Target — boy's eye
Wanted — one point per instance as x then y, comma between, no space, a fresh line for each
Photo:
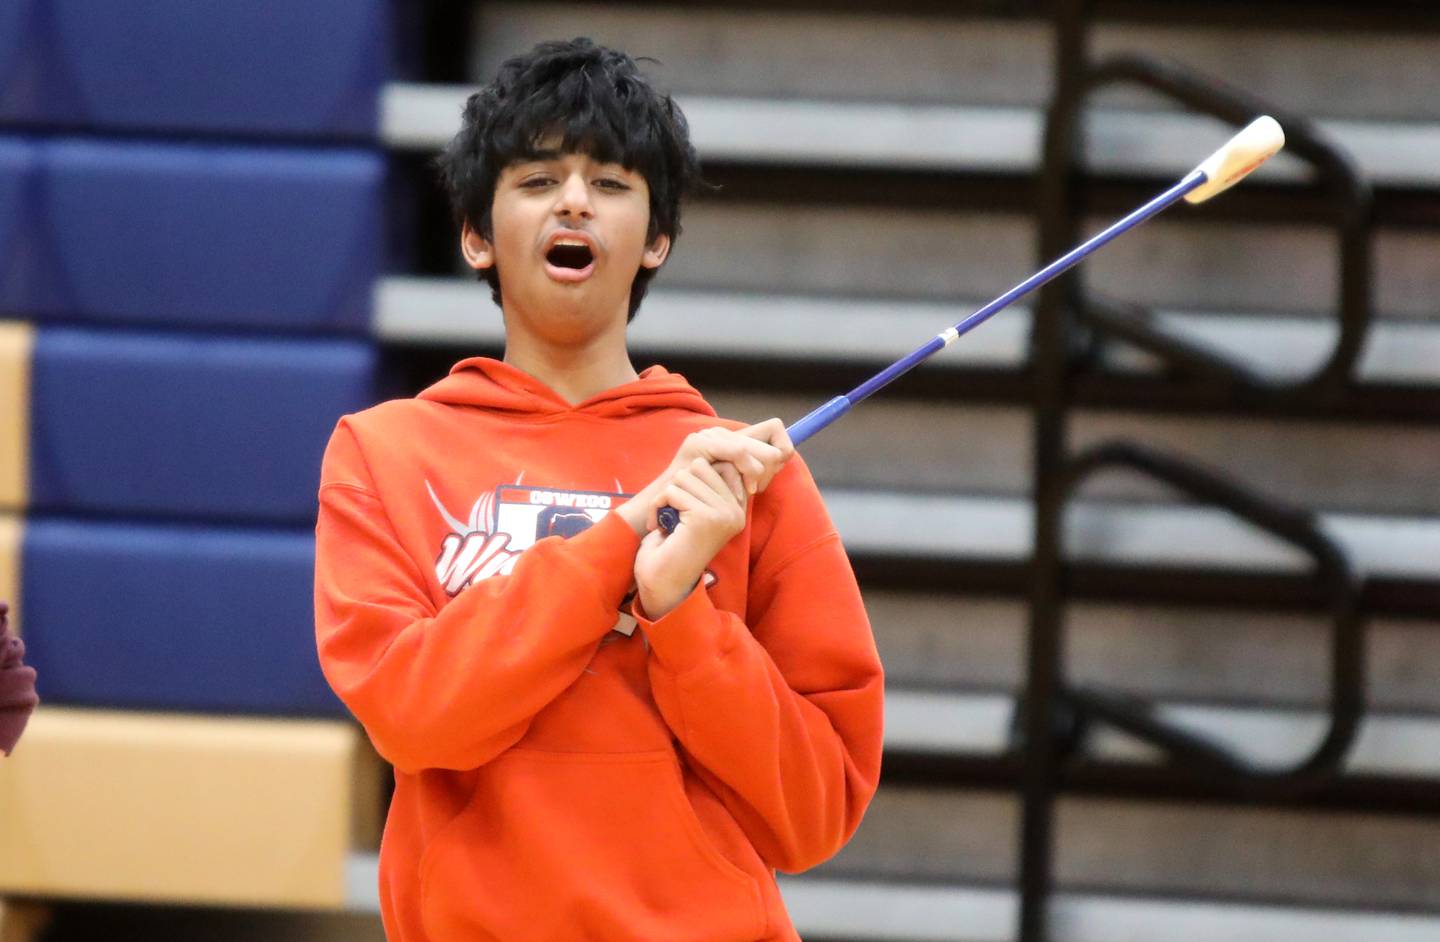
605,183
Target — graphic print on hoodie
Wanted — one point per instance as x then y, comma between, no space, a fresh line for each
504,522
555,779
507,521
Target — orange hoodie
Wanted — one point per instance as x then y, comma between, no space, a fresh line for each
560,775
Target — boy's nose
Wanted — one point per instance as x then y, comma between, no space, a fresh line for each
574,198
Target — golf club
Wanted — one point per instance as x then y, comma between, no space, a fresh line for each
1241,155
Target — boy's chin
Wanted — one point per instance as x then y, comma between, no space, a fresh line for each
576,304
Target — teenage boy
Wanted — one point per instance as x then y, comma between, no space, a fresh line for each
599,732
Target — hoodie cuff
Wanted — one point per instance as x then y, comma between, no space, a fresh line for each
608,551
688,635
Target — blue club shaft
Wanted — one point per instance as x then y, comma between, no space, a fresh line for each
810,424
818,419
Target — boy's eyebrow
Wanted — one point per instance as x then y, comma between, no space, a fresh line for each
549,153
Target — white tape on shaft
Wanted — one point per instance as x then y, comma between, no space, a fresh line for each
1257,143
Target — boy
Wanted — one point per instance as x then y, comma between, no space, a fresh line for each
599,732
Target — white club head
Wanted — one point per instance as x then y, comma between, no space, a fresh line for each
1261,140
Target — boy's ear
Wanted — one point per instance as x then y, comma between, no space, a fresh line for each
478,253
657,251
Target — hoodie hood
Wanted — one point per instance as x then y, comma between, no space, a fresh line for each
495,385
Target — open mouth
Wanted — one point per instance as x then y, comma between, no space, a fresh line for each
574,256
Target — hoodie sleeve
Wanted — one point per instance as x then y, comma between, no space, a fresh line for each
452,688
782,713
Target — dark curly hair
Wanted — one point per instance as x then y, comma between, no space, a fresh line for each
601,104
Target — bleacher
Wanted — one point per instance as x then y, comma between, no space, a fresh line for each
201,268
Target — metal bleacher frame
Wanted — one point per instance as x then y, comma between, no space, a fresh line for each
1057,717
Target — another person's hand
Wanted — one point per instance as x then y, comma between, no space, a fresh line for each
17,686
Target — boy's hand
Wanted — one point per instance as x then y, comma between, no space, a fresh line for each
711,512
709,483
747,459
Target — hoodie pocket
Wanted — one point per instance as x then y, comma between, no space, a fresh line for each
584,846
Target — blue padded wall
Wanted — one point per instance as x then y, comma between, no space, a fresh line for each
19,173
20,59
193,210
267,68
175,424
209,236
183,618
